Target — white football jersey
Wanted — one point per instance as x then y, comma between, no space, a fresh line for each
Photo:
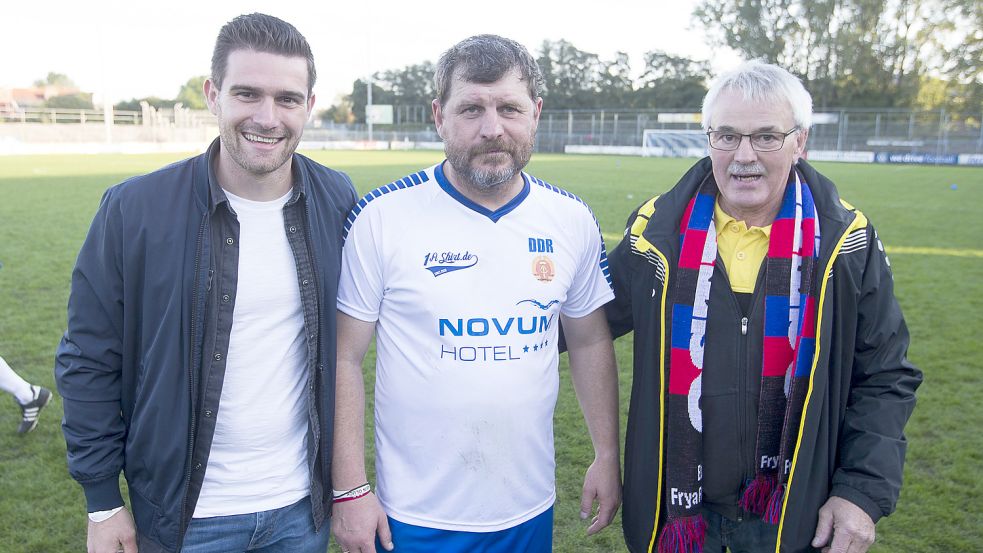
467,303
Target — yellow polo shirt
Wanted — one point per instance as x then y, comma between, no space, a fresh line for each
742,249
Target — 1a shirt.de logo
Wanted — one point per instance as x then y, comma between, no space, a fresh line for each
440,263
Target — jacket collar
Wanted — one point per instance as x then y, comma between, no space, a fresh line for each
663,231
834,217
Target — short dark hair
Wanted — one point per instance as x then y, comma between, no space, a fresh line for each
485,59
261,33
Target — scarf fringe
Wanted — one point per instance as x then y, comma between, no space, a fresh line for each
757,494
773,513
683,535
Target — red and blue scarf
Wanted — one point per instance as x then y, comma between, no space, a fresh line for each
787,356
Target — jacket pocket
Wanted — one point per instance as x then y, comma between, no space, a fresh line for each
146,515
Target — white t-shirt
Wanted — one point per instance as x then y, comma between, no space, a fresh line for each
467,303
258,458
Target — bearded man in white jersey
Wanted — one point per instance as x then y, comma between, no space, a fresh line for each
465,271
199,356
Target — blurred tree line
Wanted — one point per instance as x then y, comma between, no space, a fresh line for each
190,95
70,98
915,54
575,79
924,54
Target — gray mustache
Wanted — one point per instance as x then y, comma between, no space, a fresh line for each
741,170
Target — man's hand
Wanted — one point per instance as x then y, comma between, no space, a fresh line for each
109,535
595,379
355,524
843,528
602,484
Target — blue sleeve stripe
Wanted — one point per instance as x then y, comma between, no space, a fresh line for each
400,184
604,261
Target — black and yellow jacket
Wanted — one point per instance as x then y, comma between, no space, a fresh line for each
861,393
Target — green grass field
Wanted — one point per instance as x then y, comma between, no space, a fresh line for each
933,235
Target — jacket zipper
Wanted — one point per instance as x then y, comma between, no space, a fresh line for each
743,367
759,288
191,378
743,425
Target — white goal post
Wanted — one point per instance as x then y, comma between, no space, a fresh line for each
674,143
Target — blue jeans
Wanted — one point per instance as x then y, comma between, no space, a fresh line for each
749,535
288,529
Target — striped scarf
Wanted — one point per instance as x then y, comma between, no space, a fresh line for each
787,354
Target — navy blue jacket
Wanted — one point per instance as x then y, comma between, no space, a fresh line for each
128,365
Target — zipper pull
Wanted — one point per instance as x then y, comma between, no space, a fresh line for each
743,326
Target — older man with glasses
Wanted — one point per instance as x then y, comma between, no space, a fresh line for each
771,385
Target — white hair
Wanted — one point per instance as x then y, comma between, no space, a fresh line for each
762,82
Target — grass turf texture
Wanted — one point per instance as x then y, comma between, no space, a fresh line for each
932,233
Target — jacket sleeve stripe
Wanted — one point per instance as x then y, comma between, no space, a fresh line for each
856,241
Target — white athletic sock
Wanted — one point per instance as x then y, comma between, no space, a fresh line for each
11,383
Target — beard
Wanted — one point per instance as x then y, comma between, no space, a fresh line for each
483,179
254,163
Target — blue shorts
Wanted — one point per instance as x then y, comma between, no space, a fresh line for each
533,536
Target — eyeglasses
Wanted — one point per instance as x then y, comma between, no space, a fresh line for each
760,141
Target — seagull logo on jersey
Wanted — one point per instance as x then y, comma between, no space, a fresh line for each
440,263
539,304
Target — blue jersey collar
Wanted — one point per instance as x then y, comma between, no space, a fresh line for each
466,202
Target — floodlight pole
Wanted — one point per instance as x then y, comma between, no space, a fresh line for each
107,118
368,104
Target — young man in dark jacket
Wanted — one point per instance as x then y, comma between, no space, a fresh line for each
200,350
771,385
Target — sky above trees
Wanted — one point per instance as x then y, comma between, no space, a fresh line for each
850,53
